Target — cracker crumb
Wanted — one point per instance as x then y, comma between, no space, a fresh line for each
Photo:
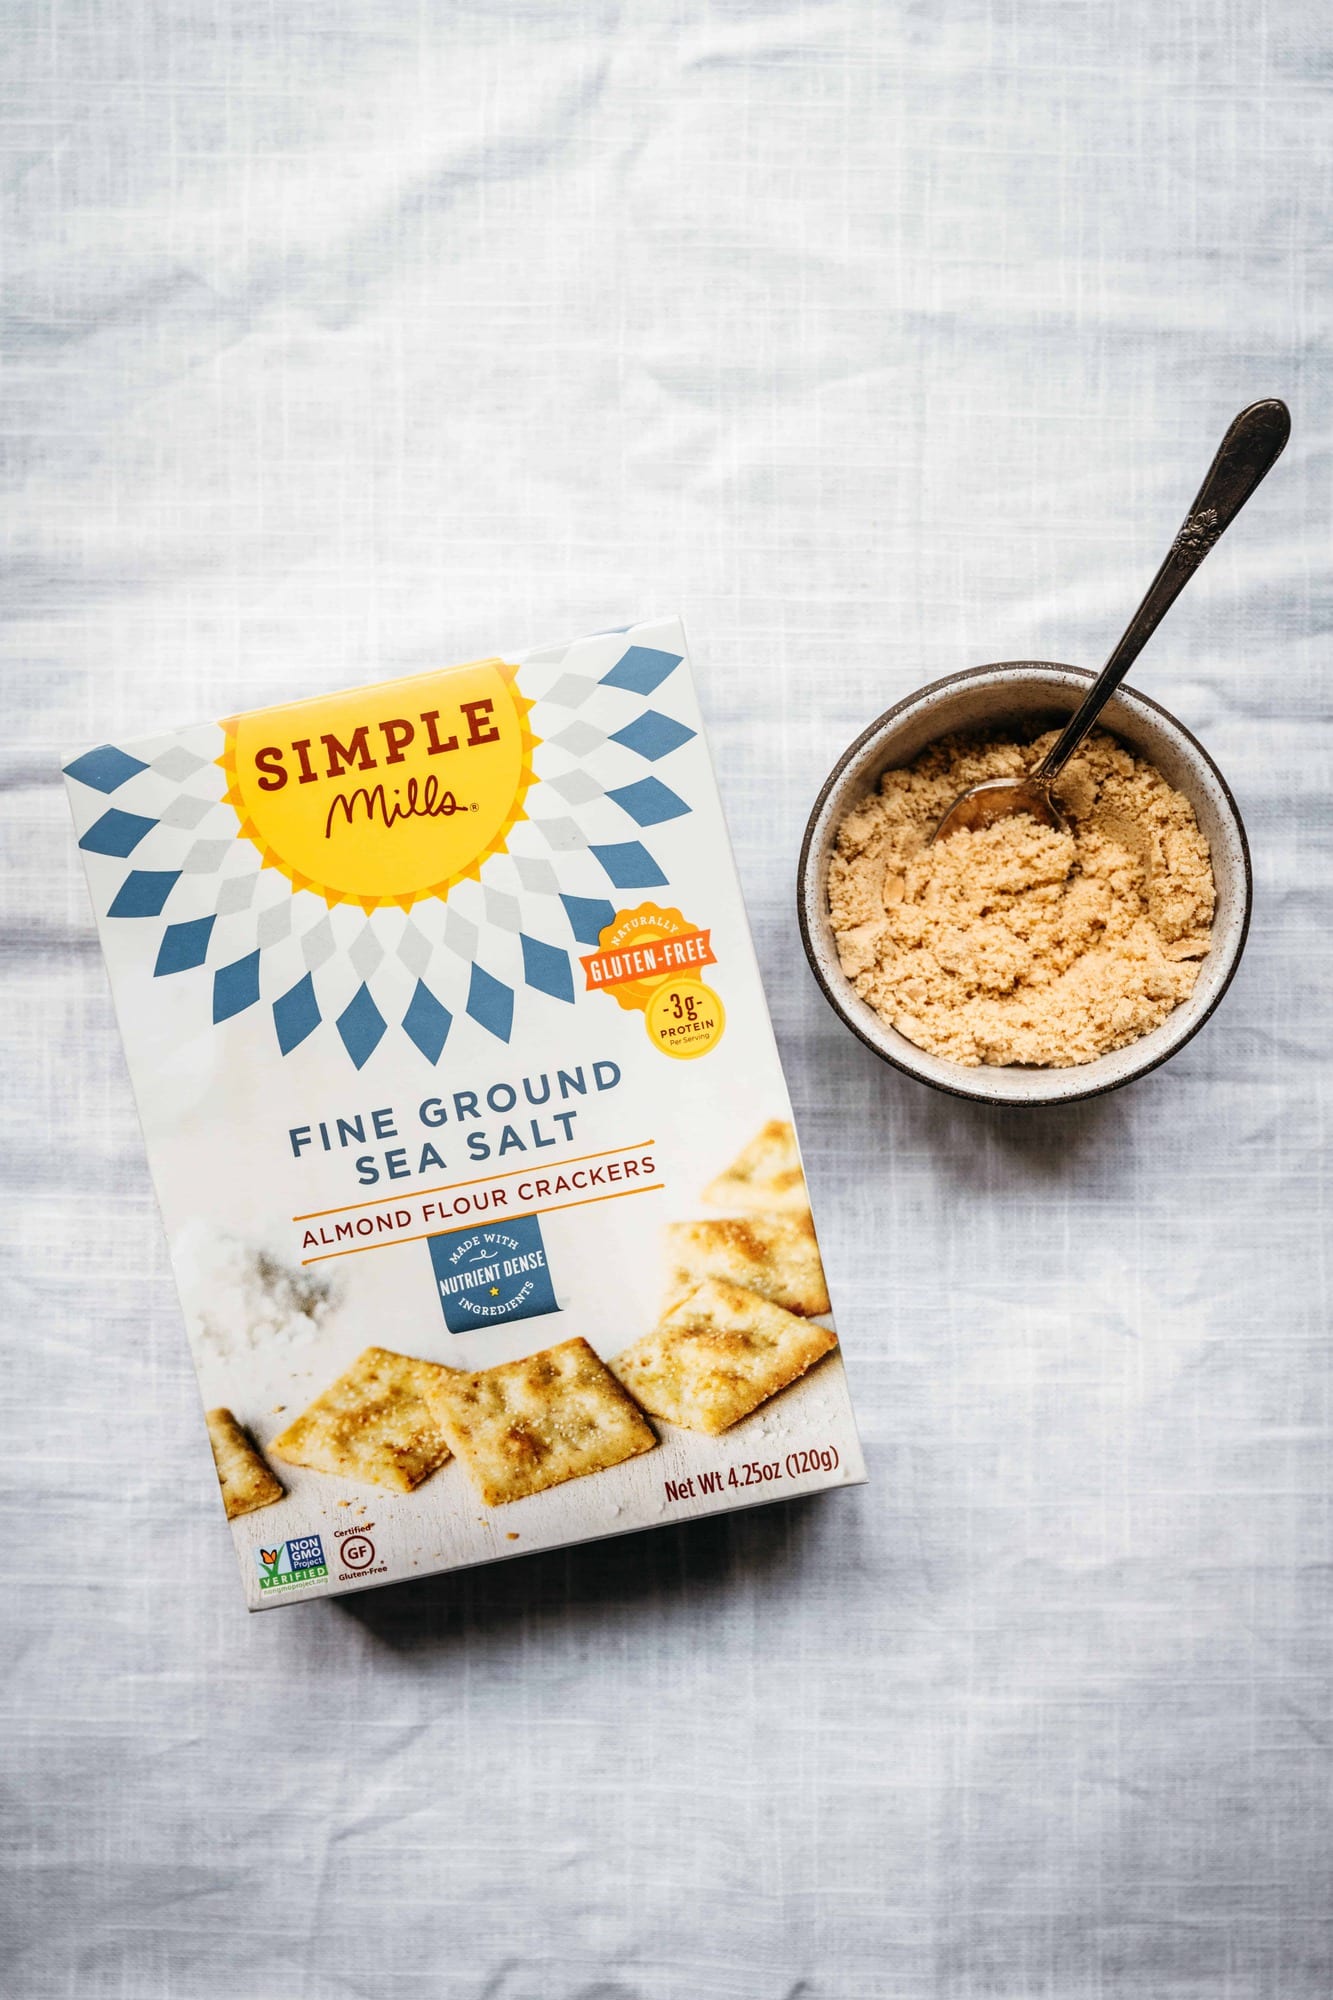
1019,944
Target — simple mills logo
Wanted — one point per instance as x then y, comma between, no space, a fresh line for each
387,794
300,1560
486,1276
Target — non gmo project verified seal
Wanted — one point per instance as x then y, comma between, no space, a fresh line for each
291,1563
485,1276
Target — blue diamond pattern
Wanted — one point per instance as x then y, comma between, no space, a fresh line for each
296,1014
427,1022
361,1026
116,832
649,802
144,891
630,865
547,968
491,1003
588,917
235,986
104,768
183,946
652,735
642,669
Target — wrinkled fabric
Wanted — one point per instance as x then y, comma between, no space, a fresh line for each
882,340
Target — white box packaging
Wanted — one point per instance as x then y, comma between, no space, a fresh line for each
449,1044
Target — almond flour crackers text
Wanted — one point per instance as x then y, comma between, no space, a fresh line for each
1020,944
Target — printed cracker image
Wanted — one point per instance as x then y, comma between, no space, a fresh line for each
373,1423
774,1255
765,1175
246,1482
717,1355
526,1425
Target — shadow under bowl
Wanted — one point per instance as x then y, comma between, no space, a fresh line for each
1027,694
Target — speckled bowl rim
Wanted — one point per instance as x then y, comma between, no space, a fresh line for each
810,890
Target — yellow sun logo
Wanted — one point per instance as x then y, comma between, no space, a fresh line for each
387,794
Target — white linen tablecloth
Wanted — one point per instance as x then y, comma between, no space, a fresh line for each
881,340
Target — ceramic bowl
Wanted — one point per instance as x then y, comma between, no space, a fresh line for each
1028,692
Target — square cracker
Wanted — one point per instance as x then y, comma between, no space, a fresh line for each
245,1480
718,1355
774,1255
766,1174
373,1423
526,1425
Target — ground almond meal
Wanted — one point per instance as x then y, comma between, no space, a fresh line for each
1020,944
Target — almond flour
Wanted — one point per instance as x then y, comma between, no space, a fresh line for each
1019,944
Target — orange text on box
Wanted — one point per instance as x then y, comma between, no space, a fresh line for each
656,958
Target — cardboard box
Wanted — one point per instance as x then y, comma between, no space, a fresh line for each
465,1116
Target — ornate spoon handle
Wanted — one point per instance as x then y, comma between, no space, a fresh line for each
1250,449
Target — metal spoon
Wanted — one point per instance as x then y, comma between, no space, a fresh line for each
1250,448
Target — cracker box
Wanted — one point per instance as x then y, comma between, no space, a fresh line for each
465,1116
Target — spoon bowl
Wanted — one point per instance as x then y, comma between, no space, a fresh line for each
1000,798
